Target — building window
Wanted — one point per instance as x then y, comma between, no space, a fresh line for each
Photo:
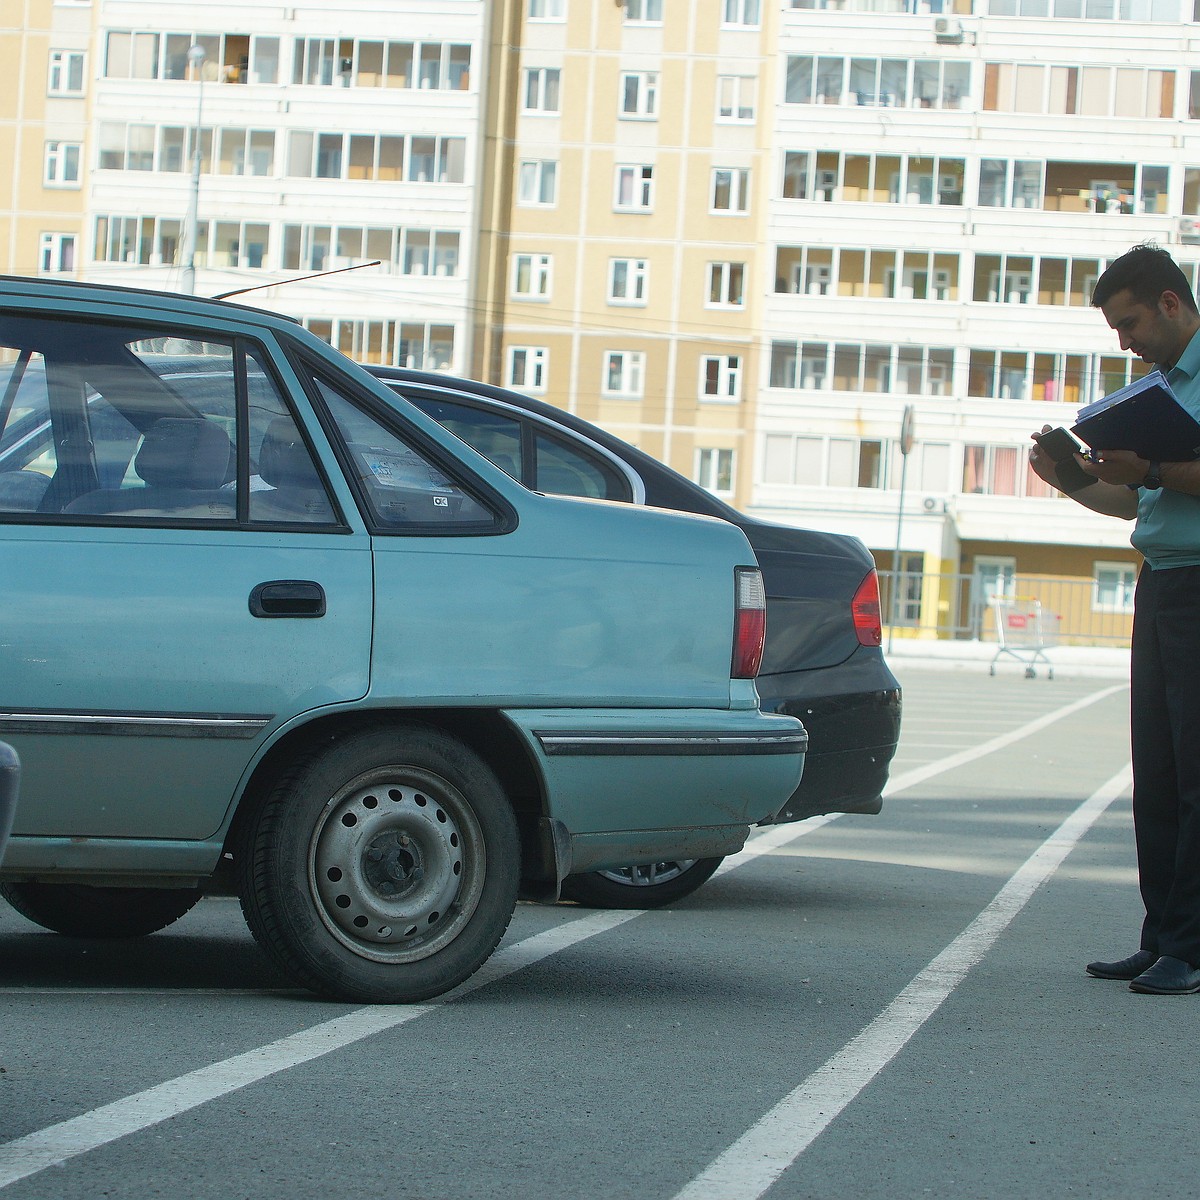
542,89
1112,587
376,157
721,377
644,10
741,13
62,164
1094,91
726,284
538,182
736,96
877,82
531,276
56,253
634,189
422,347
527,367
547,10
639,94
730,190
347,62
246,152
714,470
628,280
624,371
66,73
147,241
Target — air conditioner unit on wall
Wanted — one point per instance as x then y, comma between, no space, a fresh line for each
1189,230
947,29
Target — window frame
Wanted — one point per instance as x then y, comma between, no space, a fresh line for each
60,69
727,280
632,372
59,157
637,276
535,362
645,96
538,269
641,184
543,85
708,464
729,374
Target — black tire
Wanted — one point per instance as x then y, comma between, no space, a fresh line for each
79,910
648,886
384,868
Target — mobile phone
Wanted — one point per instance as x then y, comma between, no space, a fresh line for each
1062,448
1059,445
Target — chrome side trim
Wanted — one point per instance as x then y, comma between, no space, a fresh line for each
692,742
242,726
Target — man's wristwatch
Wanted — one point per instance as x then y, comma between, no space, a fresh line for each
1153,476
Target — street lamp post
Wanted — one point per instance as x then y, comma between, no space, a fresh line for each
195,57
907,434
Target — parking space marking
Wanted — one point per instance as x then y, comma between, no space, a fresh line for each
56,1144
761,1155
917,775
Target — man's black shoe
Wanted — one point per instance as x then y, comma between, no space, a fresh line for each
1168,977
1124,968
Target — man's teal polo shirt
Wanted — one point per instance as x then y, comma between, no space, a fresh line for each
1168,523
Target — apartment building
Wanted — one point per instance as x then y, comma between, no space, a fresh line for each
756,237
748,235
44,117
304,139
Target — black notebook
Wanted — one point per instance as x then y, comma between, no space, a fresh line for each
1145,417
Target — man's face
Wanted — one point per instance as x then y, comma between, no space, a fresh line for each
1152,332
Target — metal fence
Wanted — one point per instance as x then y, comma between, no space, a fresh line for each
1074,612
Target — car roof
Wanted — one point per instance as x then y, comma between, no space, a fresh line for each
68,291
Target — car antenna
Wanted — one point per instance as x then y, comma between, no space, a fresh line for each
298,279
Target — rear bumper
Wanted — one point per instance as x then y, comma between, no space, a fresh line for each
853,734
674,778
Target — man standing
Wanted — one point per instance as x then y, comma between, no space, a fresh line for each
1148,302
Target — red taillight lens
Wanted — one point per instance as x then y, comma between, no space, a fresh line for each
865,607
750,622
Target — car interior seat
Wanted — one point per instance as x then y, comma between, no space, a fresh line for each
183,463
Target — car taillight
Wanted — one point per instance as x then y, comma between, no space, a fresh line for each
865,607
749,622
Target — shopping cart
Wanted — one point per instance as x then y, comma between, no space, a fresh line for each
1024,633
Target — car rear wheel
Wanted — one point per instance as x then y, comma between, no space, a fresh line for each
79,910
383,869
648,886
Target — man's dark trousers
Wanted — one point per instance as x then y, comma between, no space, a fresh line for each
1165,725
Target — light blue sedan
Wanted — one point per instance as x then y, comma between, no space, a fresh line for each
269,629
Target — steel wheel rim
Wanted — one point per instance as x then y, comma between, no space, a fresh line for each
649,874
396,864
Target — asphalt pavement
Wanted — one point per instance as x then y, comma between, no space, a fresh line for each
884,1006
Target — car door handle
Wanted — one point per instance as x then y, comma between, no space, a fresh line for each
288,598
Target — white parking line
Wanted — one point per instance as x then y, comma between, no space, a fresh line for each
761,1155
56,1144
774,836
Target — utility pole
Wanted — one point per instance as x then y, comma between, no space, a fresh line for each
195,57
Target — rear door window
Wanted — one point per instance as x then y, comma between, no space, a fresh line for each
126,425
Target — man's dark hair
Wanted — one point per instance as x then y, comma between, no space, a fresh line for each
1146,271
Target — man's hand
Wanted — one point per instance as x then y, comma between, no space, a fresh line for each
1115,466
1110,497
1042,463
